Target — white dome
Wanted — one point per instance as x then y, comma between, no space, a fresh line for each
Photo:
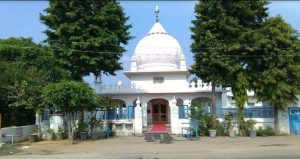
157,51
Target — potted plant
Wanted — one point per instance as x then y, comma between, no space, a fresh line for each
94,123
49,134
212,127
251,128
102,128
60,133
229,124
82,129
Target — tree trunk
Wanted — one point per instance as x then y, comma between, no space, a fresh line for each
70,119
240,119
276,121
213,109
81,117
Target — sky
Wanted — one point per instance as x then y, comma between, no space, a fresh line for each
21,19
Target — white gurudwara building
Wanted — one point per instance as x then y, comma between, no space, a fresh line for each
159,90
160,93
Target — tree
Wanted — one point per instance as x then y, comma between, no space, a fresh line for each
12,115
274,71
26,68
223,31
70,97
87,35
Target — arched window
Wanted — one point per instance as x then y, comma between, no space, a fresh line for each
182,109
205,102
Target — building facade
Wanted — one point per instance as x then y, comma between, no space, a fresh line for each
160,92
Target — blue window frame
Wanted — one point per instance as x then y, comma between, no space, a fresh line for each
45,115
183,111
130,111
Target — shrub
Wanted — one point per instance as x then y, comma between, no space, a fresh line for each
198,113
50,131
221,131
60,129
246,126
267,131
81,126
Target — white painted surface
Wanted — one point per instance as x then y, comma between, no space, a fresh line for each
138,121
158,54
284,123
20,133
55,122
157,51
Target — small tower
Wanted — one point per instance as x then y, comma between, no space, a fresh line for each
182,63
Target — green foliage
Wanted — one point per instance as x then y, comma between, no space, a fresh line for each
61,129
240,46
25,68
219,31
207,121
212,123
197,112
246,126
222,130
81,126
267,131
107,102
93,122
50,131
24,53
69,96
228,123
87,35
223,32
275,75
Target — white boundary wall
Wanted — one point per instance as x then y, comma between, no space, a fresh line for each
20,133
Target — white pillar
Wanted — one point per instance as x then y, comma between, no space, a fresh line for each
138,118
284,124
37,118
38,121
175,124
144,113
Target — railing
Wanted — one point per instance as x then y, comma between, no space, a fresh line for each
103,114
117,113
165,88
253,112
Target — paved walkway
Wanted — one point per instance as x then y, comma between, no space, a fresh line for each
281,147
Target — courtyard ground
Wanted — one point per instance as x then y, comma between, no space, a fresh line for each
279,147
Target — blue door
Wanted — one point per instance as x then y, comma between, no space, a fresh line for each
294,117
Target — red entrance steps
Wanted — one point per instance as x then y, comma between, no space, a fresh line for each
158,132
158,128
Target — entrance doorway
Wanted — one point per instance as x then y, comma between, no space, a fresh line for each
158,111
159,114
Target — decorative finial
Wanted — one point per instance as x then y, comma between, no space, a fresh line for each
156,12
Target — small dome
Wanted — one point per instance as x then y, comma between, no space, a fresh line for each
158,51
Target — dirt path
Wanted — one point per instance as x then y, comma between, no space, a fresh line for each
281,147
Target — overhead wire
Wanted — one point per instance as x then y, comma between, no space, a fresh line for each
110,52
